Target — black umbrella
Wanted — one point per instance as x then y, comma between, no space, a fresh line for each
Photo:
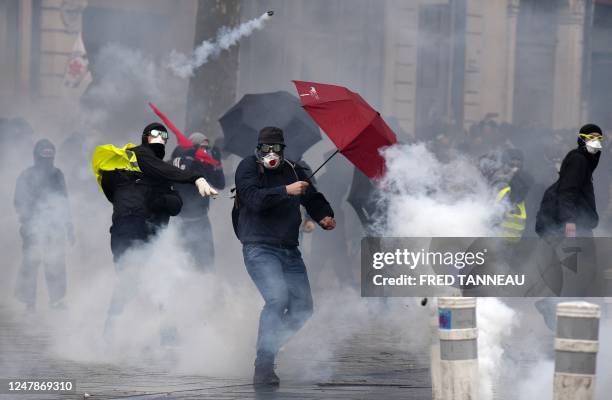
241,124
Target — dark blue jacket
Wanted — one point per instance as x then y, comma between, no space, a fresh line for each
267,214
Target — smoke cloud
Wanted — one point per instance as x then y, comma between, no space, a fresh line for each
184,65
495,324
425,197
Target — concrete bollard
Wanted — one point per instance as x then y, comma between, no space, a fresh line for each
434,364
576,348
458,335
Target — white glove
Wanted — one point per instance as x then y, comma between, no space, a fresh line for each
204,188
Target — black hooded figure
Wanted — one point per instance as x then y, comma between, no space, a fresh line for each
267,219
143,203
577,208
41,203
569,210
195,226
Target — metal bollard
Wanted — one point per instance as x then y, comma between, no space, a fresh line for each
458,334
576,348
436,389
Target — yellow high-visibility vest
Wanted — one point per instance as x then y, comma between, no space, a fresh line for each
108,157
515,220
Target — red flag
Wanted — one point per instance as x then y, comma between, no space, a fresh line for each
182,139
357,130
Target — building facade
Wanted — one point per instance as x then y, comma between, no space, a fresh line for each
534,63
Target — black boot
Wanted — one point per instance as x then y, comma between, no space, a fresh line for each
264,371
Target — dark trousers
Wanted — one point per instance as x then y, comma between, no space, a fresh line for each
126,234
47,248
281,277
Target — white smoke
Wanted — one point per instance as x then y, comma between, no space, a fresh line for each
184,66
539,382
166,294
495,323
426,197
124,71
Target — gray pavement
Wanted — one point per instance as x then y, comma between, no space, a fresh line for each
371,364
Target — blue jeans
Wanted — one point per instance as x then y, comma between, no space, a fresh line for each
280,275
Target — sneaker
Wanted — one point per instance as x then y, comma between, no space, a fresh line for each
264,375
58,305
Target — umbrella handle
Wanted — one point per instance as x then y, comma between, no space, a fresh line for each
325,162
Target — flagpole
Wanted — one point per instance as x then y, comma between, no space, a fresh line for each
321,166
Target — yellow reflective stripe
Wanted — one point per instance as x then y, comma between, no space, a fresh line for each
512,225
511,234
522,211
502,193
509,217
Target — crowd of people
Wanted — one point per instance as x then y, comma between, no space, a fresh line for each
276,203
530,157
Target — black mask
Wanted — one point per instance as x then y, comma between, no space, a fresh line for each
159,150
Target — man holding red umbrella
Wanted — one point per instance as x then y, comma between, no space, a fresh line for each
269,192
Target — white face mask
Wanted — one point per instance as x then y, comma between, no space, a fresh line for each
593,146
271,161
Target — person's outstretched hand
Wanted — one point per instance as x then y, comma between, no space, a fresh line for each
328,223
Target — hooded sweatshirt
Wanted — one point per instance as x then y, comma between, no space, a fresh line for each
40,192
576,194
267,214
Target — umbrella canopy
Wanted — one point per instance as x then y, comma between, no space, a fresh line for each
357,130
241,124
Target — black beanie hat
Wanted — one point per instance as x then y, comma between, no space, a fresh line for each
591,129
271,135
151,126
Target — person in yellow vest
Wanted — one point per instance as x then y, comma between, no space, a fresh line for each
514,221
513,191
137,181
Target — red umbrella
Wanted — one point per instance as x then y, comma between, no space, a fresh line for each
357,130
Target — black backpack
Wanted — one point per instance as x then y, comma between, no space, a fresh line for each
547,219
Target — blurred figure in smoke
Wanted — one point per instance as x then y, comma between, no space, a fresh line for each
513,184
331,252
195,224
269,191
143,202
41,202
484,137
